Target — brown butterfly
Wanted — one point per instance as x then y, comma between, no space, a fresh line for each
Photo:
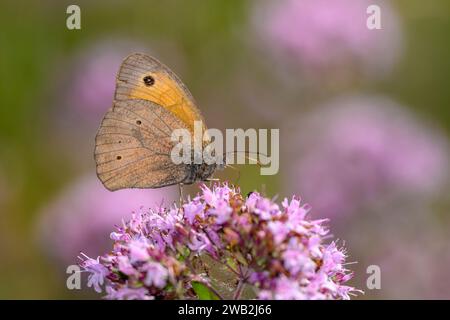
133,145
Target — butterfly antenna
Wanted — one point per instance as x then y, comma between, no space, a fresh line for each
247,152
256,160
247,155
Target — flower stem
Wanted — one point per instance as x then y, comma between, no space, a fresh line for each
239,289
211,288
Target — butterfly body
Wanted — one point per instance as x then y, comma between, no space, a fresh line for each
133,144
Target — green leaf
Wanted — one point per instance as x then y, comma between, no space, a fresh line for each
203,292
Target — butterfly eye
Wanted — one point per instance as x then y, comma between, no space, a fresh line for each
119,157
149,81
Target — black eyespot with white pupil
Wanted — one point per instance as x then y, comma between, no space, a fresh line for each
149,81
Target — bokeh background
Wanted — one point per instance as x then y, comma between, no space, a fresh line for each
364,119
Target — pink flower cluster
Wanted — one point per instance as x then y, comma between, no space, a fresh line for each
324,34
232,246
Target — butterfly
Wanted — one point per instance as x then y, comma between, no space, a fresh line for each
133,144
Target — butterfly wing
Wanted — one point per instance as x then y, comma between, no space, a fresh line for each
143,77
133,146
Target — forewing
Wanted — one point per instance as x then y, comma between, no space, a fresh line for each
163,87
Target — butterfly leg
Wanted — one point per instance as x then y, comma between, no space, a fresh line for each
180,188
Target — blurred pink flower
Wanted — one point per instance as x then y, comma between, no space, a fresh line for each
83,215
86,91
415,266
324,34
93,81
410,245
357,150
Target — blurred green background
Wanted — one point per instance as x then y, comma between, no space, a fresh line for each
45,145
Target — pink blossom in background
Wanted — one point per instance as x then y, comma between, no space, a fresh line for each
410,245
324,34
82,217
86,92
361,149
93,80
416,267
